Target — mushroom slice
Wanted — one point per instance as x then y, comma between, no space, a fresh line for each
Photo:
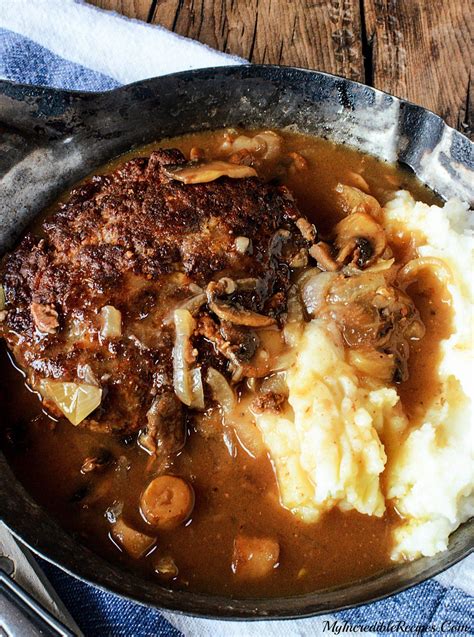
322,253
360,236
353,200
307,229
203,172
227,312
167,502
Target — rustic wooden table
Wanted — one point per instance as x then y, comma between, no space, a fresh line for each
416,49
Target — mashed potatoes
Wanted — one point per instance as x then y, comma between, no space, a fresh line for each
330,445
431,477
327,451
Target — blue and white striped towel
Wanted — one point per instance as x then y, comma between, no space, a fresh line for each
67,44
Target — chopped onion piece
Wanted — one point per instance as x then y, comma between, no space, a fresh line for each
266,144
166,567
111,320
221,390
194,303
134,542
275,384
241,244
271,142
85,373
228,438
184,323
195,288
76,401
77,330
254,557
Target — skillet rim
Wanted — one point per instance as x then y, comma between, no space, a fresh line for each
210,605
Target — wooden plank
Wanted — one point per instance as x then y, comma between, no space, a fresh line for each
139,9
416,49
316,34
422,51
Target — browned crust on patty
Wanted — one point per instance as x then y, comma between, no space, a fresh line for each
136,239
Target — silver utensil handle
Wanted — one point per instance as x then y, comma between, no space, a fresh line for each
23,615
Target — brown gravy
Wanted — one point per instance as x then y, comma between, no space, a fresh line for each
233,494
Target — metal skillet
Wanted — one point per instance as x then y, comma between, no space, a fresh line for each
50,139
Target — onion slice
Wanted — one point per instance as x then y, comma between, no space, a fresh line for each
187,382
221,390
197,390
182,381
411,269
314,290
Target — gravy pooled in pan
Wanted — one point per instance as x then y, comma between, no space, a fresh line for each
224,344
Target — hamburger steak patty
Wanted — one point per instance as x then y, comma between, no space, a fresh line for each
144,243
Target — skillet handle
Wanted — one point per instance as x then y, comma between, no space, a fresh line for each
32,117
39,111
